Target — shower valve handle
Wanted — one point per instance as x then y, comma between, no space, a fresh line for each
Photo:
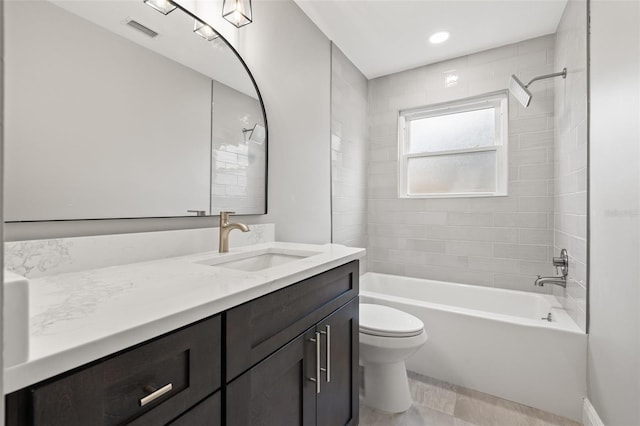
562,263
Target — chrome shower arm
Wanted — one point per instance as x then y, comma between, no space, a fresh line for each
562,73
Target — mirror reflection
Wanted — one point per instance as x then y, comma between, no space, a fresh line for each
118,111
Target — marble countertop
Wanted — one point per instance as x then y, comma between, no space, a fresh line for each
79,317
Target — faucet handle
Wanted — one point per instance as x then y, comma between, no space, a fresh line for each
224,216
562,263
562,260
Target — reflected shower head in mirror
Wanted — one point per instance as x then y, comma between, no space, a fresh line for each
256,134
521,91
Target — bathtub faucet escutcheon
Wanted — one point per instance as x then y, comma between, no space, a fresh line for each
562,267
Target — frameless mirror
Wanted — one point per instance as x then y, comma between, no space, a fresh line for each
114,110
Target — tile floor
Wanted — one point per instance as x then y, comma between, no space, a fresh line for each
442,404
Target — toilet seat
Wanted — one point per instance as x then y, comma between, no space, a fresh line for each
384,321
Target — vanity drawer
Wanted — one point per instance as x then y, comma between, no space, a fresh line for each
183,367
258,328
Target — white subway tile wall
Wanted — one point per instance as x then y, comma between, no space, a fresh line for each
570,189
497,241
349,152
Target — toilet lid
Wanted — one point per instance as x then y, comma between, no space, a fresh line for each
384,321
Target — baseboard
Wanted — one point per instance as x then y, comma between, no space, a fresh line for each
589,415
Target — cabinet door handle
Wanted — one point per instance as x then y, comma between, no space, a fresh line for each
155,393
327,333
316,380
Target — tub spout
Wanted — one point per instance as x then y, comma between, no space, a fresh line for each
560,281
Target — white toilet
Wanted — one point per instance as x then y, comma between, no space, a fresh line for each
387,337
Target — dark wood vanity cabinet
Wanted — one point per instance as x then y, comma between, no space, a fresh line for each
255,364
256,329
313,380
277,390
151,384
338,398
206,413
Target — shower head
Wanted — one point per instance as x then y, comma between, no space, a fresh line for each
521,91
257,134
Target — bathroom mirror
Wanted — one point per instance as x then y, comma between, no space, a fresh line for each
114,110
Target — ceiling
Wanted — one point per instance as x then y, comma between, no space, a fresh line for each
386,36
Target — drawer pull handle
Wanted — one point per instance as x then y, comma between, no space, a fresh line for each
155,393
316,380
328,352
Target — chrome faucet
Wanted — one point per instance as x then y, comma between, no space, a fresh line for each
225,228
562,266
561,281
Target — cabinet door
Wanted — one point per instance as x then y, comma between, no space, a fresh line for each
260,327
277,391
338,398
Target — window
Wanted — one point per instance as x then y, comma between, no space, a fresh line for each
457,149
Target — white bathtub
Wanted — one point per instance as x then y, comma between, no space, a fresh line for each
492,340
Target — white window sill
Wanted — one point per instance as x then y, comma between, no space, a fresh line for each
478,195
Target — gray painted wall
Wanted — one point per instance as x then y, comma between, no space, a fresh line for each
614,283
290,59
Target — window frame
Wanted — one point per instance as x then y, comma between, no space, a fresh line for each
497,100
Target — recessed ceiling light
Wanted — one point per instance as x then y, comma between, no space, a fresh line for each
439,37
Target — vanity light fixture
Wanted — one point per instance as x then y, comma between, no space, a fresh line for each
163,6
439,37
238,12
205,31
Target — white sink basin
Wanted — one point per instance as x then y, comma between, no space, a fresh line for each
260,262
254,261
